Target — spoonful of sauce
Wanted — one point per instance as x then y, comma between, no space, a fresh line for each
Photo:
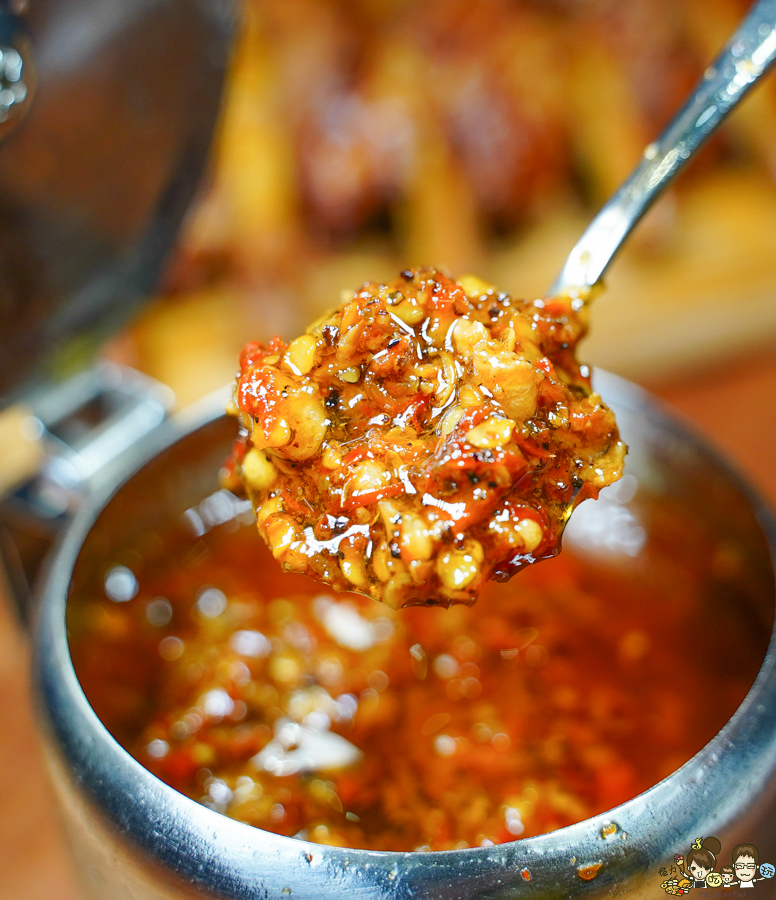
432,434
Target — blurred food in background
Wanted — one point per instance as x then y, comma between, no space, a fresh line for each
362,136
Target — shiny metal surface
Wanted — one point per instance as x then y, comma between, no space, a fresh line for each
136,838
84,428
747,56
96,177
17,67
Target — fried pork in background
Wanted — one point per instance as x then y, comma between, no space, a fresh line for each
359,138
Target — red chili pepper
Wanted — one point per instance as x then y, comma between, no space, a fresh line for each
366,499
252,354
416,412
355,455
257,394
531,446
277,346
557,307
545,365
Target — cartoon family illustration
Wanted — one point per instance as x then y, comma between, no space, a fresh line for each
699,869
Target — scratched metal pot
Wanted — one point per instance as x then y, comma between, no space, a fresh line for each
134,837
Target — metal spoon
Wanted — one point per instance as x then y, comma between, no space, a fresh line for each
747,56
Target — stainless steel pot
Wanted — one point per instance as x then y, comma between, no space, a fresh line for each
134,837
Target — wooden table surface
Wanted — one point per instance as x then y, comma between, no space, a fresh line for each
730,403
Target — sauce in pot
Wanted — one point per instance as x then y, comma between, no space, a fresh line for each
333,718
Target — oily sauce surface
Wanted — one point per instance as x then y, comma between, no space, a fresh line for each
336,719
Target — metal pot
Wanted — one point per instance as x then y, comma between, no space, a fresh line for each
134,837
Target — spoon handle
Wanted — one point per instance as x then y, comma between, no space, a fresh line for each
746,57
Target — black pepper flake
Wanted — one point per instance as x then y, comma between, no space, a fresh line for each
408,275
332,399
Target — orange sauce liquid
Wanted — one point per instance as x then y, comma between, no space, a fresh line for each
559,695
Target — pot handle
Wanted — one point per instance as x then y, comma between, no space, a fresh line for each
58,449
